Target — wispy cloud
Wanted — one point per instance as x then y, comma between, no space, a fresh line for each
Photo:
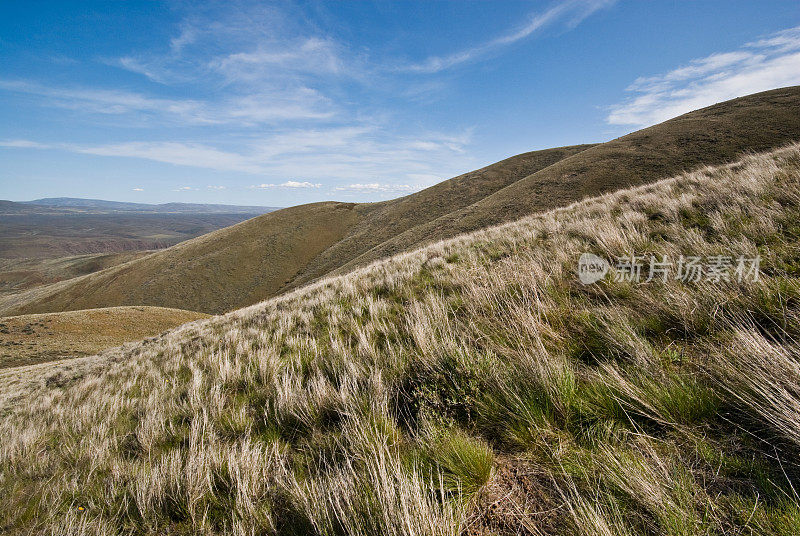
212,187
287,184
365,153
182,154
758,66
138,189
572,12
246,44
251,109
24,144
309,55
376,187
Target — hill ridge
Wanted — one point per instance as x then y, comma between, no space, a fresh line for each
520,185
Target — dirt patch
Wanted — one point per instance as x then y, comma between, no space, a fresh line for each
520,499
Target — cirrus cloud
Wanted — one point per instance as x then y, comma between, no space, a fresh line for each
765,64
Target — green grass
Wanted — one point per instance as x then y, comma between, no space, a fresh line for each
488,393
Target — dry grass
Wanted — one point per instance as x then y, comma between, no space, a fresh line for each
284,250
246,263
29,339
394,399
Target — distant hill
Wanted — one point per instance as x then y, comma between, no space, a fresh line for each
103,206
275,252
65,226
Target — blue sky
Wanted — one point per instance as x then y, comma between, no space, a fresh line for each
281,103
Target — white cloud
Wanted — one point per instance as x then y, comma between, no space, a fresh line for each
211,187
244,45
765,64
257,108
287,184
24,144
135,65
783,41
376,187
138,189
361,154
579,9
185,189
308,55
296,184
182,154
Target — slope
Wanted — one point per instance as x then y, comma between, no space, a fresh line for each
29,339
709,136
23,273
245,263
212,273
470,387
190,277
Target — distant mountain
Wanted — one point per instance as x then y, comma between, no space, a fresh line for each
285,249
101,205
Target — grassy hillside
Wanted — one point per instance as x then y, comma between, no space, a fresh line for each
24,273
30,339
386,220
246,263
288,248
713,135
214,272
470,387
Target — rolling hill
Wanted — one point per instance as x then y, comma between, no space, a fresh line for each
242,264
471,387
285,249
31,339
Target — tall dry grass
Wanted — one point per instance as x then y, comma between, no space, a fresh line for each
439,390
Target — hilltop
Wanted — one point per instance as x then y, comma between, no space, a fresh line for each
473,386
285,249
